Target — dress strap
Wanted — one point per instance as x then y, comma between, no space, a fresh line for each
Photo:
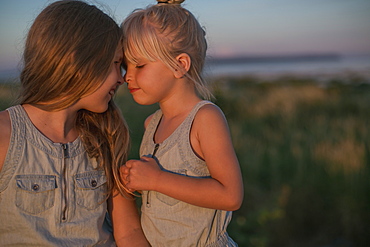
16,145
196,108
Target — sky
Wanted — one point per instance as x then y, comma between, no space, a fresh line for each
234,28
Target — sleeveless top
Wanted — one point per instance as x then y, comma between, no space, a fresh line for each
167,221
51,194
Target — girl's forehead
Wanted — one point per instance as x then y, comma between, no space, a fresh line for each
134,54
135,60
119,51
119,47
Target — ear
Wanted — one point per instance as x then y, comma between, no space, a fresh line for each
184,62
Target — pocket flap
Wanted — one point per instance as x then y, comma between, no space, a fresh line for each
36,183
90,180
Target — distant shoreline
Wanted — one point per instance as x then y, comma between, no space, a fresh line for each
322,66
274,59
329,65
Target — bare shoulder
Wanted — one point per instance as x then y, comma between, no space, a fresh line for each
5,129
210,121
210,137
210,113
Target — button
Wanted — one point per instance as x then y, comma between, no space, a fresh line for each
35,187
94,183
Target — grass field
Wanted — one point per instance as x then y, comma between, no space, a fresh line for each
304,151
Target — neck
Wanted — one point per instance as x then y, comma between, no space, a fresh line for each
58,126
178,107
181,102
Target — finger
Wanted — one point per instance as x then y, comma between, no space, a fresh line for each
124,174
123,168
125,171
145,158
128,164
129,187
126,182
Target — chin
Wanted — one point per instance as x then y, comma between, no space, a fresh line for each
99,110
143,102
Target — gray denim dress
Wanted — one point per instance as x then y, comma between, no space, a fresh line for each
167,221
51,194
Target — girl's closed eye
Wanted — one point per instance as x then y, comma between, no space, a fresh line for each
118,62
139,66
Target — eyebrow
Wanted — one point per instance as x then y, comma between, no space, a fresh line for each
118,57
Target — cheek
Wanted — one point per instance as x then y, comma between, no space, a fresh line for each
110,80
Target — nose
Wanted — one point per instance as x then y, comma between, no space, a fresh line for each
127,77
120,79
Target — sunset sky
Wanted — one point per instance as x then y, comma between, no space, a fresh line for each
238,27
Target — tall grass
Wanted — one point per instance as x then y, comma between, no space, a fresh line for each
304,151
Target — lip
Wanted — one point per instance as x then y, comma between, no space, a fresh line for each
133,90
112,91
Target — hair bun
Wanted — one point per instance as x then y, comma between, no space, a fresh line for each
171,1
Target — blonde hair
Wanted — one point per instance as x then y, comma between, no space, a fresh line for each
68,53
164,31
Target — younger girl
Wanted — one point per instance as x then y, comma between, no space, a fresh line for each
61,147
188,171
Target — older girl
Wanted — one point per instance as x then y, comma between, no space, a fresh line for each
62,145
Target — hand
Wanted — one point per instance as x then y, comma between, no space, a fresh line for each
141,174
124,173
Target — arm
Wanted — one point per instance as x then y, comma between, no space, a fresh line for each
211,140
5,129
127,229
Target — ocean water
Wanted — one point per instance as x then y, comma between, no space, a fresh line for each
325,66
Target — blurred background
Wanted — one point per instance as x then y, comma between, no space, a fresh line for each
336,30
293,79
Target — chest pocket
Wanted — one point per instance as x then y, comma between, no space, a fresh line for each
167,199
91,189
35,193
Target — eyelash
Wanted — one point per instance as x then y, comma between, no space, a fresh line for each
139,66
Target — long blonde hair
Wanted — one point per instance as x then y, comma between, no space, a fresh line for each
68,53
164,31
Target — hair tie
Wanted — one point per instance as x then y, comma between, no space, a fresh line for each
170,1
